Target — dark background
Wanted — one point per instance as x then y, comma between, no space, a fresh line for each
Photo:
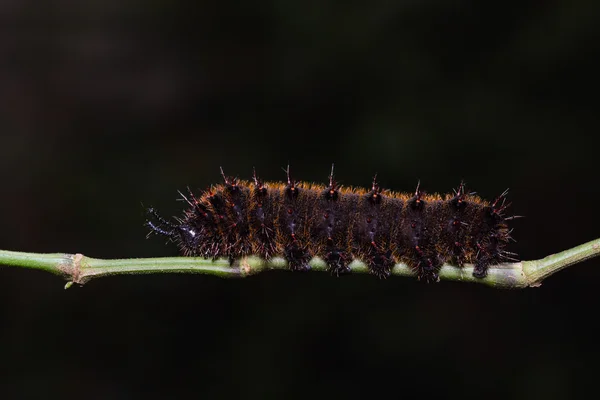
107,104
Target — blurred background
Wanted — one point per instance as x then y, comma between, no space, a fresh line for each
108,104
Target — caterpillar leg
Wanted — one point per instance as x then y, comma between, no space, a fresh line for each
481,267
337,262
297,257
380,264
428,268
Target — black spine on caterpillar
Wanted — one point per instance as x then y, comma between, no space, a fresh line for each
300,221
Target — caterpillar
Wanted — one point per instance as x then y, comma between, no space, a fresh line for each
300,220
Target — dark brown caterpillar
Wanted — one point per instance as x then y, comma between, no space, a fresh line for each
302,220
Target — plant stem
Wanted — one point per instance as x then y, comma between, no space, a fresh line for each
77,268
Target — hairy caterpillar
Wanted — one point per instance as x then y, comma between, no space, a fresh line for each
301,220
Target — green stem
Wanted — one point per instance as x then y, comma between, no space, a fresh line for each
77,268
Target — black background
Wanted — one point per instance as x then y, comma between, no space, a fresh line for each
107,104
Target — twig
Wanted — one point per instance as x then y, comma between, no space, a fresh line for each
77,268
